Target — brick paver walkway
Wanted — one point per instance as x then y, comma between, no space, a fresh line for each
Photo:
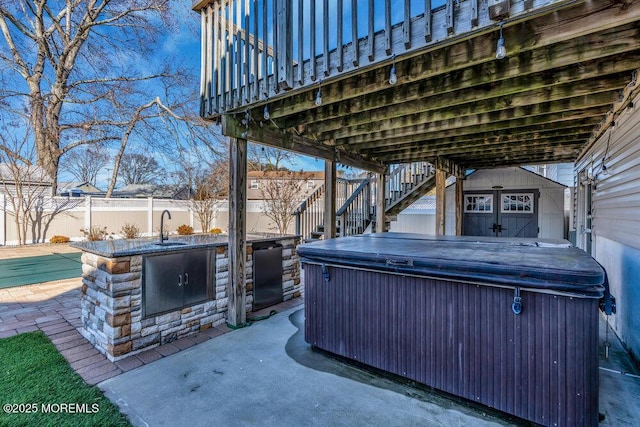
54,308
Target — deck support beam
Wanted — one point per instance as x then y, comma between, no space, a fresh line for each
459,204
236,288
264,134
329,199
444,168
381,192
441,201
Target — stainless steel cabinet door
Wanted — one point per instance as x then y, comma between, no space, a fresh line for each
198,272
163,283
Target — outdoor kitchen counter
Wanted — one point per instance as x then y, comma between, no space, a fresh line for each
138,294
126,247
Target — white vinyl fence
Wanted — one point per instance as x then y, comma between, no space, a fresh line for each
86,212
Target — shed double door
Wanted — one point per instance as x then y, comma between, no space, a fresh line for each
501,213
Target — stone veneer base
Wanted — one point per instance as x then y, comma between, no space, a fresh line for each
112,301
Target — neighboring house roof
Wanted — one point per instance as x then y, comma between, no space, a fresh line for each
160,191
81,187
27,174
315,175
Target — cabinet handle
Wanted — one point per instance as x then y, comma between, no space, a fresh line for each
179,279
186,279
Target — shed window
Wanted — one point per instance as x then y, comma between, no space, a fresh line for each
479,203
512,203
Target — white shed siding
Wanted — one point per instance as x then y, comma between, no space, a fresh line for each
616,218
550,204
422,223
551,213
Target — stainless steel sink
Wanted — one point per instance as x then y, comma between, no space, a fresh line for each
170,244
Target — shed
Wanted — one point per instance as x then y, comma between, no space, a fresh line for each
509,202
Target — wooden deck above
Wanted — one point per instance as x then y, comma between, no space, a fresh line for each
570,70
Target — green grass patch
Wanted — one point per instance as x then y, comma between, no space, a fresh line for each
39,388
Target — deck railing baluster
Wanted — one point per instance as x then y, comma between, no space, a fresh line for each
256,53
371,35
300,42
450,17
312,38
387,27
218,31
340,50
406,25
354,32
237,99
265,50
229,56
427,21
325,36
247,53
275,69
204,74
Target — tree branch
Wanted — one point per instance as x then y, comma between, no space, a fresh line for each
23,69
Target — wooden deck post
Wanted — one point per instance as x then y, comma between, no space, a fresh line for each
329,199
444,168
381,191
441,201
236,287
459,204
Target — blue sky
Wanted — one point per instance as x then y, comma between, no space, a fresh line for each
180,43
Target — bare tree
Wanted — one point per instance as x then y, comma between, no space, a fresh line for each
85,163
282,192
76,71
208,184
27,187
137,168
261,157
156,121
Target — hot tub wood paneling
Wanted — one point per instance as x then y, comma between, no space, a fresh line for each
463,338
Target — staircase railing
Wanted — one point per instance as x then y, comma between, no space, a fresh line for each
310,213
404,178
355,214
355,198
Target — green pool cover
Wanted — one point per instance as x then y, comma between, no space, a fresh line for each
38,269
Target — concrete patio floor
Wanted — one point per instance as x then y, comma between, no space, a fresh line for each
268,375
265,374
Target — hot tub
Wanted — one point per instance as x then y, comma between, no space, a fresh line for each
508,323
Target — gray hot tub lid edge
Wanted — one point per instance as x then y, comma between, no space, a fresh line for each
559,269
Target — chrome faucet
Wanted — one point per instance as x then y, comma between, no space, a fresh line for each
162,237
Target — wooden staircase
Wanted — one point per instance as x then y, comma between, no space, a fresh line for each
405,184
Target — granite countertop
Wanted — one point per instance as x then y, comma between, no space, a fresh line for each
126,247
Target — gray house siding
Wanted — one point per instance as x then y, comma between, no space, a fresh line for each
615,217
